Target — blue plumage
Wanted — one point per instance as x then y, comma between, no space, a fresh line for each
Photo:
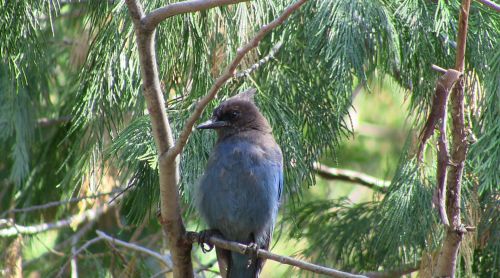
239,193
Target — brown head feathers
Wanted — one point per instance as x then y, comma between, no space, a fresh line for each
237,114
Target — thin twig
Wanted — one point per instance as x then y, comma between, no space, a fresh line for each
165,260
88,215
227,74
75,253
46,122
58,249
75,219
74,260
151,20
161,273
264,254
58,203
351,176
490,4
358,89
260,63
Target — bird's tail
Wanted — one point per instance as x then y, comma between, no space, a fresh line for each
240,267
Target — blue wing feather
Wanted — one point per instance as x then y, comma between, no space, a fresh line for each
280,183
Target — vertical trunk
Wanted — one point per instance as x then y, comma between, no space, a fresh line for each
168,169
447,260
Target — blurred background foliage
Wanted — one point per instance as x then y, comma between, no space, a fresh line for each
348,85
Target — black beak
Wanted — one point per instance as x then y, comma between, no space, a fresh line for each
211,124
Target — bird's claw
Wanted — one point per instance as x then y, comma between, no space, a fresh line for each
204,240
252,251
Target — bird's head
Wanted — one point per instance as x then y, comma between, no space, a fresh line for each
237,114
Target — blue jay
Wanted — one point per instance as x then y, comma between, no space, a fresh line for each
239,194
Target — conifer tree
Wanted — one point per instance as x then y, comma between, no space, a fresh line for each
77,130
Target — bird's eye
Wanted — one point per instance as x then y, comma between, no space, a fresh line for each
234,114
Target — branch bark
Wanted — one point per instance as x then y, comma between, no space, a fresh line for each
88,215
447,260
490,4
150,21
351,176
144,26
58,203
244,73
437,118
46,122
168,170
264,254
165,260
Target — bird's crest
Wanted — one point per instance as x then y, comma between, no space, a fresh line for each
248,95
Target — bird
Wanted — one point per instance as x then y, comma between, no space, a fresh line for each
239,194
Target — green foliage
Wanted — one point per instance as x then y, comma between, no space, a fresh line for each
487,257
350,229
407,226
134,154
391,233
485,152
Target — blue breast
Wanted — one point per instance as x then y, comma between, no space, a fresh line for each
240,190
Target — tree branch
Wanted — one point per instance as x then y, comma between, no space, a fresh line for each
46,122
165,260
264,254
438,110
438,69
260,63
351,176
151,20
74,259
58,203
490,4
88,215
75,253
437,118
447,259
29,230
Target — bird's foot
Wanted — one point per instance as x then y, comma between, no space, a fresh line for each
205,237
252,251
